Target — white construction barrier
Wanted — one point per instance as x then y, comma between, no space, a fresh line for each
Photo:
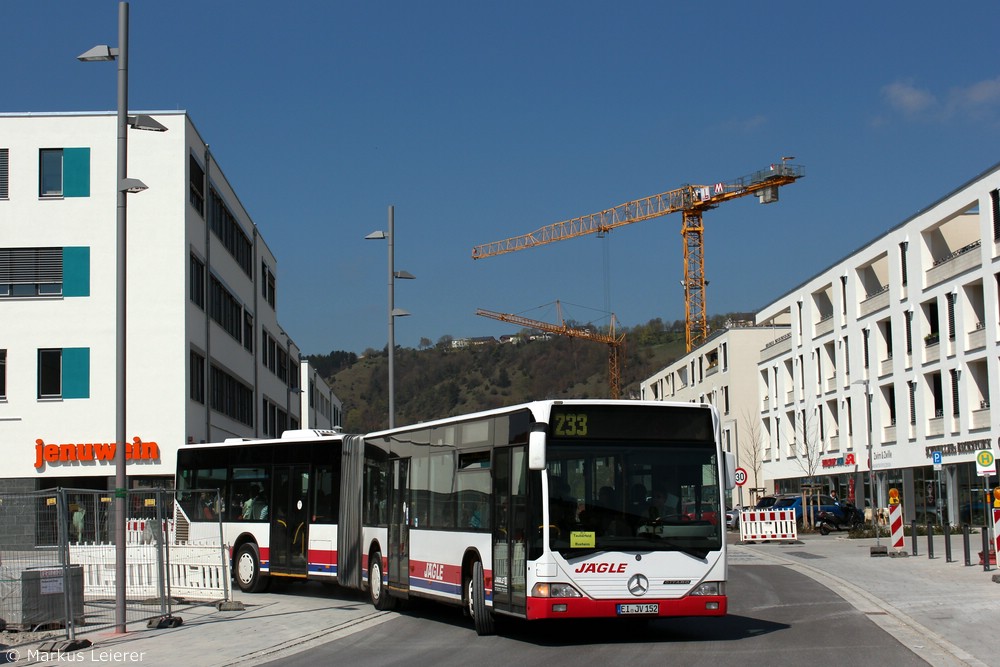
196,572
896,525
767,524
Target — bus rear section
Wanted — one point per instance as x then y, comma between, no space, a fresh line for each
280,505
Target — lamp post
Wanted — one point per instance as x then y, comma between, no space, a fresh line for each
123,185
871,462
393,311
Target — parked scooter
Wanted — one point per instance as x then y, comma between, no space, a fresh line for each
852,518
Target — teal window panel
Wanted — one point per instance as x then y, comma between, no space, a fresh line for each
76,271
76,372
76,172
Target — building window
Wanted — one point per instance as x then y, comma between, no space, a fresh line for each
197,189
227,228
267,284
197,279
995,201
64,172
230,396
902,260
4,173
248,331
64,373
225,309
954,393
197,371
951,316
49,373
3,374
909,332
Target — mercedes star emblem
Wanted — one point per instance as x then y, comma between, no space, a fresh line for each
638,584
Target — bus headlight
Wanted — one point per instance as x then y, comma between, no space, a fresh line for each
710,588
556,590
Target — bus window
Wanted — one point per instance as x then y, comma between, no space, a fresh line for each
325,494
197,481
249,489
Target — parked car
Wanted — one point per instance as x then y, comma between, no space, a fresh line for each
690,511
826,504
765,502
733,517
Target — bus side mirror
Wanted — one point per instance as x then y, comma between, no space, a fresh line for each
730,462
536,450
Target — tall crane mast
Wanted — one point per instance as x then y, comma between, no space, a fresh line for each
690,200
615,343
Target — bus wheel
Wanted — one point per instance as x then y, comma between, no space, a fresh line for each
248,576
476,599
376,591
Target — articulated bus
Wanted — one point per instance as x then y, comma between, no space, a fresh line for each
551,509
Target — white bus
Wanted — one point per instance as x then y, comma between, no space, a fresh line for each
551,509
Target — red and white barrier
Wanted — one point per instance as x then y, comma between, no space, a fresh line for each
896,525
768,525
996,530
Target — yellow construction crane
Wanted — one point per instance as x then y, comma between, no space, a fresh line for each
691,201
615,343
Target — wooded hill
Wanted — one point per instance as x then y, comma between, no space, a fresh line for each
442,381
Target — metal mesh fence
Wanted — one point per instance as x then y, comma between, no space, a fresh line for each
57,562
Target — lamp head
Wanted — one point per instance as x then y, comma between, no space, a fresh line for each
101,52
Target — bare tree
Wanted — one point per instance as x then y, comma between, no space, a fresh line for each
751,456
808,456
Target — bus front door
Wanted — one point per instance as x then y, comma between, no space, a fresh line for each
510,472
399,527
290,521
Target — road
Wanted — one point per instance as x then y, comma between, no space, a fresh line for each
776,617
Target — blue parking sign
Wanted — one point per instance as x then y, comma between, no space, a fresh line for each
936,456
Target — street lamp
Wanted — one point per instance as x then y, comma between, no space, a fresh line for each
871,462
123,185
393,311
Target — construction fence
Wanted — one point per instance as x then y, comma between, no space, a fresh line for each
58,555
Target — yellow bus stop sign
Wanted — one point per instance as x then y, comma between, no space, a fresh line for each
985,463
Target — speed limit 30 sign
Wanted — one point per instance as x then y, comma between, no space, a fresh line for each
741,477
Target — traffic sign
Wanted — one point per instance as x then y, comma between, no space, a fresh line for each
936,457
741,477
986,464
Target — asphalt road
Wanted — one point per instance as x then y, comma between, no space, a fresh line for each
777,617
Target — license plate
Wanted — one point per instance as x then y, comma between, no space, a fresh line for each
626,609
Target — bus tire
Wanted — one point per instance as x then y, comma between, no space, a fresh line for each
476,594
377,592
247,570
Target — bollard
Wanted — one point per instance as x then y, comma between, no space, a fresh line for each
965,542
930,540
913,537
986,549
947,542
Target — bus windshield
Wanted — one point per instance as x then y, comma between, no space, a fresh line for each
647,496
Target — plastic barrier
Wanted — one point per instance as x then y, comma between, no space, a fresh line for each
768,525
896,525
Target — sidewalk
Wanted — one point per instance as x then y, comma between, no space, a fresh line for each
299,616
946,613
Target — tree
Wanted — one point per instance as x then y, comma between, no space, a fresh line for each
809,456
751,456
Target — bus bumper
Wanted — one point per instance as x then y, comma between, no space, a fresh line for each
692,605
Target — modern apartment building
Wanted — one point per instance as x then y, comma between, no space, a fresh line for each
894,349
206,356
882,363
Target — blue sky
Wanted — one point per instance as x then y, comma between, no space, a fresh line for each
479,121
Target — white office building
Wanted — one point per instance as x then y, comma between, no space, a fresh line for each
206,356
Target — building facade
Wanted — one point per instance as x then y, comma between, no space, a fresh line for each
889,356
206,356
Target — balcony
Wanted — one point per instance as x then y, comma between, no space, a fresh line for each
777,347
981,417
960,261
935,426
977,337
825,325
932,348
876,300
885,367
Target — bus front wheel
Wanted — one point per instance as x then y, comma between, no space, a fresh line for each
476,599
248,575
376,590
